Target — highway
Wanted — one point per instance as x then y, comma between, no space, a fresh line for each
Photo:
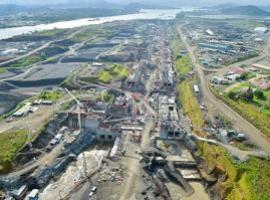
214,104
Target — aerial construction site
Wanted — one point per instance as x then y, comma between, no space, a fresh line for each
126,110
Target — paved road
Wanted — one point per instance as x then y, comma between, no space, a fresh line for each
33,66
214,104
44,46
42,161
235,152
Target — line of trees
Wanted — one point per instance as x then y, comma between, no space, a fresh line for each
247,95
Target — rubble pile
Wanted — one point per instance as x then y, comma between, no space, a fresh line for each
112,175
74,174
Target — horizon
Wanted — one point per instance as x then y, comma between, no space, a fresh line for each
124,2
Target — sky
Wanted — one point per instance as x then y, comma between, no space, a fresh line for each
163,2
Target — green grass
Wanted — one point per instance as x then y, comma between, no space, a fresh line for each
252,113
83,36
24,62
2,70
245,181
51,95
10,143
105,76
119,71
175,42
190,104
182,66
256,112
116,72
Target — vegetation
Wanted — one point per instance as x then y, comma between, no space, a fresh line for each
10,143
243,181
190,104
105,76
259,117
249,10
249,180
86,35
52,95
182,66
24,62
116,72
259,94
252,103
55,15
2,70
246,57
42,15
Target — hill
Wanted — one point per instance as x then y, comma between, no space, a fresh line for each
10,9
245,10
139,6
222,6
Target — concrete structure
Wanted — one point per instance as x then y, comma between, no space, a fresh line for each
33,194
171,130
219,80
23,111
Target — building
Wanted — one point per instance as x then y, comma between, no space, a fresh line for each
171,130
218,47
260,30
219,80
233,77
261,83
209,32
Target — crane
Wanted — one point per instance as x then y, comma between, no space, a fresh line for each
80,105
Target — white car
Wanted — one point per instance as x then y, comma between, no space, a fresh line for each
91,194
94,189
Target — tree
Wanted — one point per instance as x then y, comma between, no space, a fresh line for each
248,95
259,94
244,76
232,95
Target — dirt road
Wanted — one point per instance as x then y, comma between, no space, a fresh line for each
214,104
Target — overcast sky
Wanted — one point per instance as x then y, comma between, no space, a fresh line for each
164,2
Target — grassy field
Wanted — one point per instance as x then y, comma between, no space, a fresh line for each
10,143
2,70
24,62
116,72
182,66
251,112
190,104
51,95
256,112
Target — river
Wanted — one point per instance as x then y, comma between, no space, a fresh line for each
143,14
